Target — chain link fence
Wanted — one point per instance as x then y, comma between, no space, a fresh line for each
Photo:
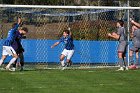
89,27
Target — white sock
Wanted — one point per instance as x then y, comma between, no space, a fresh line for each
62,63
1,61
11,62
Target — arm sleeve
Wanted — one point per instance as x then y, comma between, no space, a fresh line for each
61,39
119,31
15,28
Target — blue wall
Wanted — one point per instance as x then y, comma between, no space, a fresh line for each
85,51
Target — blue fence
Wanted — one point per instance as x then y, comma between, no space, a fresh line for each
85,51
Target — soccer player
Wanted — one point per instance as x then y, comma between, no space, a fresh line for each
69,47
136,44
7,46
122,38
135,23
17,46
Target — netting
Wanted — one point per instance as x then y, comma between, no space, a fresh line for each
89,26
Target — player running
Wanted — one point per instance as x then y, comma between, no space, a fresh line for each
7,46
69,47
121,36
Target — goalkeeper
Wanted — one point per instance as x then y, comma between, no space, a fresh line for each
17,46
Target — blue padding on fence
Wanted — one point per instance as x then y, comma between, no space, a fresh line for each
85,51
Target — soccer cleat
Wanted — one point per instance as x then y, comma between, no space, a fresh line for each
1,68
63,68
21,69
8,69
126,68
120,69
132,67
69,63
137,67
62,64
13,69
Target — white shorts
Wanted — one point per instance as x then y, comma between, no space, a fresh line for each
8,50
68,53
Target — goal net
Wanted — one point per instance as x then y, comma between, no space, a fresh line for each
89,26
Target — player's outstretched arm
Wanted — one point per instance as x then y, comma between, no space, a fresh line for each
135,23
19,20
55,44
113,35
15,27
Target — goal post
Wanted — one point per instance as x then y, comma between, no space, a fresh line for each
89,25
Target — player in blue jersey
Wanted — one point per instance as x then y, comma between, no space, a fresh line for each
7,46
121,36
69,47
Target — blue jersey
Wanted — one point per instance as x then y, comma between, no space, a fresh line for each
68,42
11,36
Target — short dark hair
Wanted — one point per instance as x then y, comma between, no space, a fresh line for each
25,29
121,22
67,31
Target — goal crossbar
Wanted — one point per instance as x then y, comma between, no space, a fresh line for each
69,7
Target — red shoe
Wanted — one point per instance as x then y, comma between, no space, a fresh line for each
132,67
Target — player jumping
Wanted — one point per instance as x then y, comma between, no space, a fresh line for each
17,46
7,46
136,44
121,36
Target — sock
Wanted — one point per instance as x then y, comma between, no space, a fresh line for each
137,61
1,61
62,63
131,60
14,65
125,61
121,62
11,62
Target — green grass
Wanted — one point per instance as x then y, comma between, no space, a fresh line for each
70,81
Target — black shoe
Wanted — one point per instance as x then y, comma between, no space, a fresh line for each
21,69
69,63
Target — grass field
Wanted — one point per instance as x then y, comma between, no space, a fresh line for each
70,81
